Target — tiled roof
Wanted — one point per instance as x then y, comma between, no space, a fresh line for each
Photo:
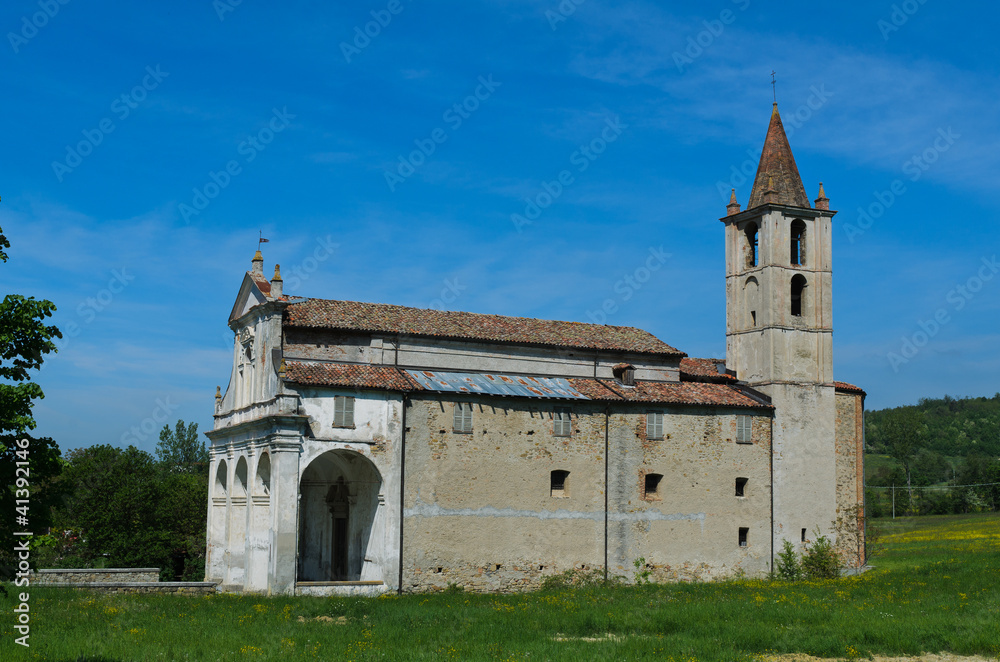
849,388
385,318
777,170
385,378
389,378
703,370
683,393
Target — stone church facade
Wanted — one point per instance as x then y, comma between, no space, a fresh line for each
362,448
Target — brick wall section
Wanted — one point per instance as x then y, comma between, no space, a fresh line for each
850,477
179,588
479,510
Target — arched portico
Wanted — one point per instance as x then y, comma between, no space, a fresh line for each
341,519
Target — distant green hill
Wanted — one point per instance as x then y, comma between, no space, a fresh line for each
952,426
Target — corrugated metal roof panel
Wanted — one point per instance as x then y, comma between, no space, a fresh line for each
510,385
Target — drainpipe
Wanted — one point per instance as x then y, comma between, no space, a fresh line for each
607,417
402,483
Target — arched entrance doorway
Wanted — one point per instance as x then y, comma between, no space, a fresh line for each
339,523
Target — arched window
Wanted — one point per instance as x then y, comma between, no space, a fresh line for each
798,247
798,294
558,482
751,244
751,297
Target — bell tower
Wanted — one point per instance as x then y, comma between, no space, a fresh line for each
779,332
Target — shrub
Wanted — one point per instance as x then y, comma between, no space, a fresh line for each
820,561
787,567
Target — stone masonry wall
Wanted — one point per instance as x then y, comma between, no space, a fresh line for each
850,478
479,510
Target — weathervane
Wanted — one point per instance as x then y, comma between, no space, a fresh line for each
774,91
260,239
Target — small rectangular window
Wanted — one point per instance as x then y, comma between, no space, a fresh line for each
463,417
744,429
744,532
803,535
741,486
557,483
343,411
562,422
654,425
651,486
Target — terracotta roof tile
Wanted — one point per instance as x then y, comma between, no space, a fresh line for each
384,378
702,370
385,318
849,388
683,393
777,170
388,378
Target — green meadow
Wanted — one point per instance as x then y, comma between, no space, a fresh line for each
935,587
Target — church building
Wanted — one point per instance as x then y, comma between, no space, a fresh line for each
362,448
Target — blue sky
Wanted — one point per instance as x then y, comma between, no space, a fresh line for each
122,119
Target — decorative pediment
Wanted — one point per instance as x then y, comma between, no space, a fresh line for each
252,293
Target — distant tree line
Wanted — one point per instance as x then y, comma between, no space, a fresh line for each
122,507
946,452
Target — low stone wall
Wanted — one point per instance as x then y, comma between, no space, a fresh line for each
180,588
325,589
91,575
118,580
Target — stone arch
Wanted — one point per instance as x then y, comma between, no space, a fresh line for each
240,484
799,301
797,247
221,479
262,478
341,526
751,299
751,244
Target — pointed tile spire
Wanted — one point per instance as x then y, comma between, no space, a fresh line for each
777,180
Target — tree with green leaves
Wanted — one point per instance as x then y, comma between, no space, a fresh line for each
901,432
180,450
24,340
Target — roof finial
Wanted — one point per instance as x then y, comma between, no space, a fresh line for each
774,90
733,207
822,202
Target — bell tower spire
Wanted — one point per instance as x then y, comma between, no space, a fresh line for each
779,331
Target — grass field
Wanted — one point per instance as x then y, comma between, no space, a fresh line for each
934,588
